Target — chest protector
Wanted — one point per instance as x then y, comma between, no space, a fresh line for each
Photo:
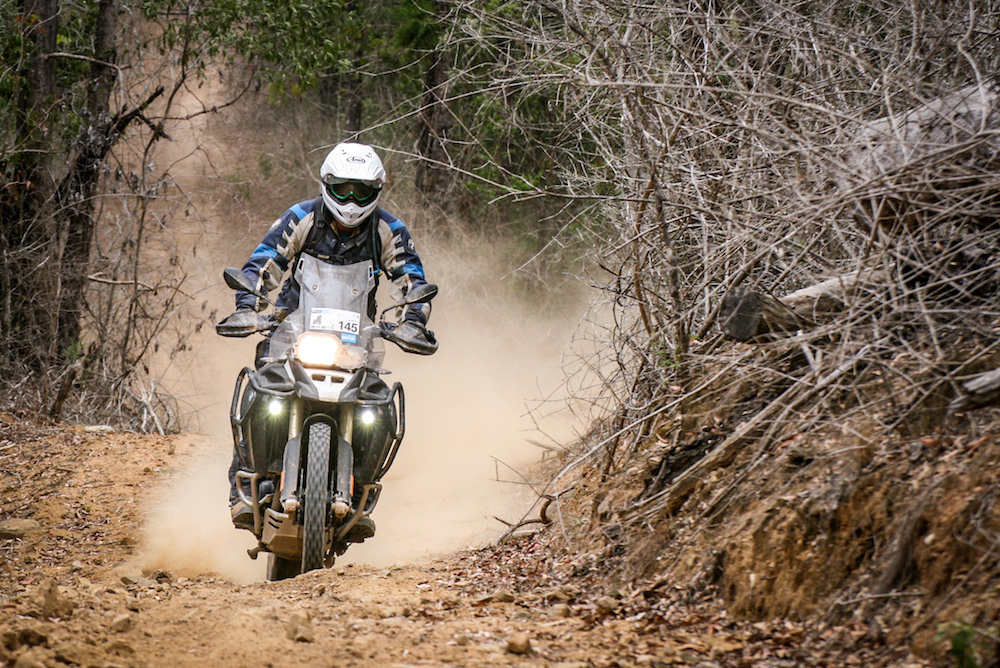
323,243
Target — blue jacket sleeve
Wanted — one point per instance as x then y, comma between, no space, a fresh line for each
269,261
402,265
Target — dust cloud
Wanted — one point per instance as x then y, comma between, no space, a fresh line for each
467,418
467,421
188,531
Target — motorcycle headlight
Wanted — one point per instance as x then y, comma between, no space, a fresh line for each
314,349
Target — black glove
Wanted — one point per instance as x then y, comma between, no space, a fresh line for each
244,321
412,337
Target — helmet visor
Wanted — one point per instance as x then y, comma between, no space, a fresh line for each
360,192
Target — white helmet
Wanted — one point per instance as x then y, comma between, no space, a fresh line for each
351,178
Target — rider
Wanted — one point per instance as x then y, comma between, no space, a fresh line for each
344,225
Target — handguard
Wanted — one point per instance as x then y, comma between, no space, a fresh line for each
411,338
244,322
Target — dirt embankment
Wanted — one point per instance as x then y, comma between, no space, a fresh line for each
78,587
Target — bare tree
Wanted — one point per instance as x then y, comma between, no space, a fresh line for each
84,305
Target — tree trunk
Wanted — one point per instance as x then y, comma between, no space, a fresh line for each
75,194
352,91
41,17
352,96
27,320
979,391
432,179
746,314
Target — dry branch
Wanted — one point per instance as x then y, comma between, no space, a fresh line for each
740,147
64,388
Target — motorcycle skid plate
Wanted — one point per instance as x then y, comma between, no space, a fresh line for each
283,536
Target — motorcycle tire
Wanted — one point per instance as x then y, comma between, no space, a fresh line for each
315,499
282,569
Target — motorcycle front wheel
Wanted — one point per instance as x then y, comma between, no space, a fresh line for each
315,499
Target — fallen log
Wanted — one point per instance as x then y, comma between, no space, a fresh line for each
933,164
747,314
978,392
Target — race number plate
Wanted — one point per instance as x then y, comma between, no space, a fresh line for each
348,323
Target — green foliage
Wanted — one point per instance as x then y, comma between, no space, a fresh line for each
302,37
966,643
417,28
58,122
74,351
76,36
265,165
14,50
295,43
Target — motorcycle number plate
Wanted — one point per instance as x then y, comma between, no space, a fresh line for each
335,320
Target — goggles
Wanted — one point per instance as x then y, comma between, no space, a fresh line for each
360,192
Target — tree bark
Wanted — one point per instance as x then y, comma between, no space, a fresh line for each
432,179
75,194
42,19
353,96
908,167
979,391
351,91
26,234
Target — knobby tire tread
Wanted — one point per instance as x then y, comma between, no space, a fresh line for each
315,500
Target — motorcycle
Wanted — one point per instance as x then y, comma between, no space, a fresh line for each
314,425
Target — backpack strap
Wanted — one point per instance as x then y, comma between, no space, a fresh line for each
318,228
376,242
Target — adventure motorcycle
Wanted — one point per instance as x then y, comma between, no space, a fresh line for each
314,426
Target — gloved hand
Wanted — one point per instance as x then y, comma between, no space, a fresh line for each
244,321
412,337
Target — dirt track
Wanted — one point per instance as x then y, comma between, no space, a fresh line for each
86,492
72,591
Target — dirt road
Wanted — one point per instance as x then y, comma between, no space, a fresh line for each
348,616
74,590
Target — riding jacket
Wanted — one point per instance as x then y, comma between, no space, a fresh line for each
308,227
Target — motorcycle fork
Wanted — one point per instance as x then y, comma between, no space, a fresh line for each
344,478
296,417
343,481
